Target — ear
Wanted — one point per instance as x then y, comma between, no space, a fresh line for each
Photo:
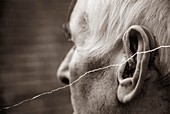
133,73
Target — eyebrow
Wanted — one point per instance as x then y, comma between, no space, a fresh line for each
66,24
70,9
66,29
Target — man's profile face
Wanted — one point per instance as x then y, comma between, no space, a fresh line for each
104,71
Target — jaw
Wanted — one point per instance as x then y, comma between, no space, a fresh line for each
105,102
94,95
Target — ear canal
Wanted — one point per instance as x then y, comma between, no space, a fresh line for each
132,75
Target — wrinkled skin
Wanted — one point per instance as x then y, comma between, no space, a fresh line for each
136,87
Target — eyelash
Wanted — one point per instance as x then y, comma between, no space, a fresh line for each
67,32
70,40
68,35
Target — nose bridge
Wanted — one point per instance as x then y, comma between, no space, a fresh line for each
63,73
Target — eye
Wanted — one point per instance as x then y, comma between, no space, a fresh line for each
66,29
67,33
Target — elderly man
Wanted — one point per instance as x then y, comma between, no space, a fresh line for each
111,40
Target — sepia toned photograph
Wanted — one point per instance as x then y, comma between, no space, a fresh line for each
84,57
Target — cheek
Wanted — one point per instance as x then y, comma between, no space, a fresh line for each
95,92
76,67
95,89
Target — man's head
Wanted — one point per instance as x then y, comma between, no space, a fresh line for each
110,32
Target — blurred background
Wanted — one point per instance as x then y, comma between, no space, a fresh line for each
32,45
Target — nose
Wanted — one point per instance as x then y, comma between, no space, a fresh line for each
63,72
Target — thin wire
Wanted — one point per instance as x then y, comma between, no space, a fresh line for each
91,71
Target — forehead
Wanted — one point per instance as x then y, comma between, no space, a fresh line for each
77,13
91,12
102,12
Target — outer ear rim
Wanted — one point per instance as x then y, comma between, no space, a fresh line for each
128,88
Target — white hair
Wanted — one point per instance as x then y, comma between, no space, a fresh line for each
107,20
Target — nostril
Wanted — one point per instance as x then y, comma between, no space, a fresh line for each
63,73
64,80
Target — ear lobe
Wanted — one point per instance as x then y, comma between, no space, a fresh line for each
132,75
